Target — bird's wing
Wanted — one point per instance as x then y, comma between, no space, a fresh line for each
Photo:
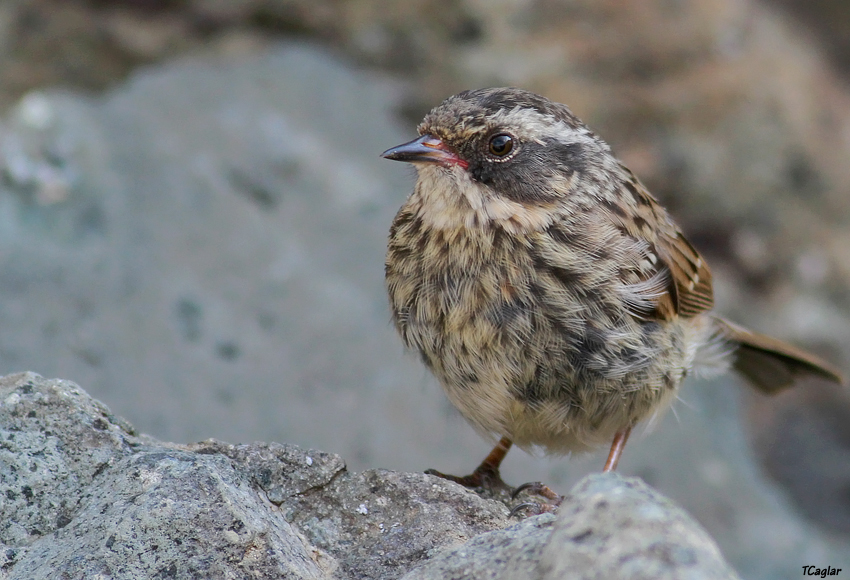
691,285
671,275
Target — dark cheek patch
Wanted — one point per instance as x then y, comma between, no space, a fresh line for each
568,157
525,177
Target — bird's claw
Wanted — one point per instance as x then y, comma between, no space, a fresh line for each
536,488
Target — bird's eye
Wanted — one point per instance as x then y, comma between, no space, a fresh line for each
501,144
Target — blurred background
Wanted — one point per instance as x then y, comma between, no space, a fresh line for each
193,218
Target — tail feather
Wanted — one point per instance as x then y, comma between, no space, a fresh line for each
770,364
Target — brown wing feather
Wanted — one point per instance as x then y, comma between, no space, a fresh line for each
690,289
691,277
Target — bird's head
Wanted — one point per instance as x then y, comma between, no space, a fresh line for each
507,143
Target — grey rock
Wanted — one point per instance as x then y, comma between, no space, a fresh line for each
172,514
281,471
607,527
372,523
514,552
611,527
378,524
85,496
54,442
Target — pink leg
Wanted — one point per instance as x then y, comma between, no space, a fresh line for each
617,449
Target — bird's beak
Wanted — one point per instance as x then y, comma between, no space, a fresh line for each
427,148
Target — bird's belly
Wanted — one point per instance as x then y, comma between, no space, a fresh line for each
515,368
538,394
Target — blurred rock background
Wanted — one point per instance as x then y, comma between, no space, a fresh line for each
193,215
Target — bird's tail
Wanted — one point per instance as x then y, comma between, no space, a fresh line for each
770,364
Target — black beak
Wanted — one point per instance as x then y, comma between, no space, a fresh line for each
427,148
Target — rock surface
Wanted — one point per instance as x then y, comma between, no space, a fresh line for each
607,527
85,496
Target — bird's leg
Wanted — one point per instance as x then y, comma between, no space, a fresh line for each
554,500
617,447
485,475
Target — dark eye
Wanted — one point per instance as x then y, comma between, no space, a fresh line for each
501,144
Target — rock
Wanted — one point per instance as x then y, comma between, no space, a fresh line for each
85,495
172,514
513,552
615,528
88,497
607,527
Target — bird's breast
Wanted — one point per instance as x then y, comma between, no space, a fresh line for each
446,282
504,335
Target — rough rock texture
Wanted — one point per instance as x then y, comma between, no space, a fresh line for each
607,527
616,529
85,496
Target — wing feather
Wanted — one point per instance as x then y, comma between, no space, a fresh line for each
689,290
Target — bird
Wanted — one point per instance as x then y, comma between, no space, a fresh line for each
553,297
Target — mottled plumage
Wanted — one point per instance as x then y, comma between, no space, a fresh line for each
552,296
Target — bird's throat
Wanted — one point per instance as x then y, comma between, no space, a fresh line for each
446,198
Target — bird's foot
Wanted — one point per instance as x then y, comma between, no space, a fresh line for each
486,479
533,508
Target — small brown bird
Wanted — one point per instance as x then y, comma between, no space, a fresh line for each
552,296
